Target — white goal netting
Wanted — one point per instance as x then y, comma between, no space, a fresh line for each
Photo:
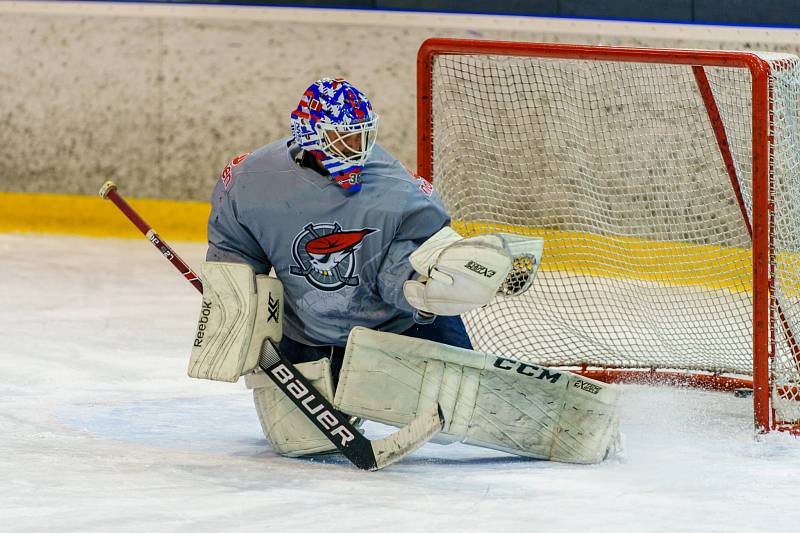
647,260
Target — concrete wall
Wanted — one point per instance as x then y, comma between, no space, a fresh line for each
747,12
158,97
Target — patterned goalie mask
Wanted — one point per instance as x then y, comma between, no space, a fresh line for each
335,122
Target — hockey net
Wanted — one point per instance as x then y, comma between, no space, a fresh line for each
655,178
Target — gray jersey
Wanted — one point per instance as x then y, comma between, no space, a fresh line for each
342,257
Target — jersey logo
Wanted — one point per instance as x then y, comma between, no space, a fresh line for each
226,176
424,186
325,255
238,159
227,172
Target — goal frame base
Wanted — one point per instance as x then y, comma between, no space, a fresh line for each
685,379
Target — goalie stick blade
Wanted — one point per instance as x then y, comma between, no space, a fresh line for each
362,452
409,438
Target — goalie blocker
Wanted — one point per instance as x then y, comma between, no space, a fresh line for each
489,401
239,311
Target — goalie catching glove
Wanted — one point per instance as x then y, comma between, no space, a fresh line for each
457,274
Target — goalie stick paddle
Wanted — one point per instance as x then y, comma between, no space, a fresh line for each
364,453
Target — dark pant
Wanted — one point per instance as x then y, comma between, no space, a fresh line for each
445,329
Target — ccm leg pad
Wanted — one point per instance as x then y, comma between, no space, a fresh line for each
487,400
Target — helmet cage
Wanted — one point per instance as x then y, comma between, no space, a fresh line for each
348,144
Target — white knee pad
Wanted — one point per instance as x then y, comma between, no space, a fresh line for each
290,431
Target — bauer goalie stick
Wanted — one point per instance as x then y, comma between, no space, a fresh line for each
364,453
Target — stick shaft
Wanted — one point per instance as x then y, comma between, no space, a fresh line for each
109,191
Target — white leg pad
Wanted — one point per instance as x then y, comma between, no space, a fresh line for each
488,401
289,431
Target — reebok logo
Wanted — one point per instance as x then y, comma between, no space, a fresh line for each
311,404
527,370
480,269
205,312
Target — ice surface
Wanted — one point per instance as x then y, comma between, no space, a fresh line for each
101,429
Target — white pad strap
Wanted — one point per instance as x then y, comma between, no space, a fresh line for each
488,401
456,275
238,312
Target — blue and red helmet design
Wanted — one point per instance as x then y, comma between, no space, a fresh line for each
335,122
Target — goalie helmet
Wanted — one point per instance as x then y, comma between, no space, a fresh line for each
335,122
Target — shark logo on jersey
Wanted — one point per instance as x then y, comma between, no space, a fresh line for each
325,255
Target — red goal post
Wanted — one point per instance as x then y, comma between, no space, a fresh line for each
485,106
